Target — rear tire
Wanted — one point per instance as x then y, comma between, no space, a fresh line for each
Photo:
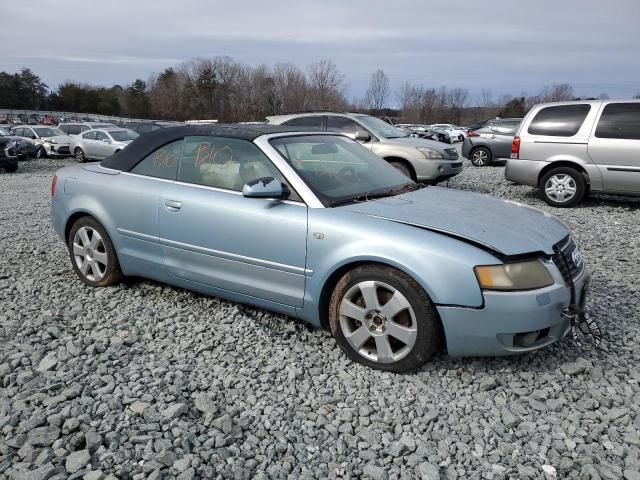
402,167
480,157
92,254
383,319
563,187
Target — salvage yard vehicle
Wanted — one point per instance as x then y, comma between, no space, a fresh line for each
489,144
8,154
450,133
100,143
25,147
50,141
315,226
419,159
76,128
569,149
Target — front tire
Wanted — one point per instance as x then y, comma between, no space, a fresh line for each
480,157
11,169
92,254
563,187
383,319
79,154
41,153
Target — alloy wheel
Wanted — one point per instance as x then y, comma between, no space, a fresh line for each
80,155
561,187
480,158
90,254
378,321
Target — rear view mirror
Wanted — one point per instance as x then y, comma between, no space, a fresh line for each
324,148
265,187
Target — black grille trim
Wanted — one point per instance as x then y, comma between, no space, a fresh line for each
564,261
452,152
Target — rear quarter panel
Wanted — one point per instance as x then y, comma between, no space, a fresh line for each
125,205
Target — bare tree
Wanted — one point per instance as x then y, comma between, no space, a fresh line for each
410,99
457,101
486,105
327,88
559,92
291,87
377,92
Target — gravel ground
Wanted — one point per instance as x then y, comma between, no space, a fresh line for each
148,381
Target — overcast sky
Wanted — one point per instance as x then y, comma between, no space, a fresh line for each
506,46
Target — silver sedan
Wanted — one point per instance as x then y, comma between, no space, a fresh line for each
101,143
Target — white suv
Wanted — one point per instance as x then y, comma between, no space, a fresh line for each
569,149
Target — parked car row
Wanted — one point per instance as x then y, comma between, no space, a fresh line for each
442,132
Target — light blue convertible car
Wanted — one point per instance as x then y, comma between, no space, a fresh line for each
315,226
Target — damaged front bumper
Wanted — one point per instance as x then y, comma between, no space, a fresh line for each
514,322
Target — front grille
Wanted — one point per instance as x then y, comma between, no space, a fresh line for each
456,165
64,150
452,153
564,259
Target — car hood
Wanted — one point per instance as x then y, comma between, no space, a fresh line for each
416,142
505,227
59,138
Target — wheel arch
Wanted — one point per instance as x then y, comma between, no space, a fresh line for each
334,277
405,162
567,164
73,218
483,146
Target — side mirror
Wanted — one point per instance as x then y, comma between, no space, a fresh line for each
265,187
363,137
359,137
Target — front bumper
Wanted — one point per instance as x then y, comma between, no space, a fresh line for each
438,170
57,149
511,322
524,172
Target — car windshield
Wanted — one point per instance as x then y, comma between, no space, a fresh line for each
340,170
123,135
48,132
102,125
380,128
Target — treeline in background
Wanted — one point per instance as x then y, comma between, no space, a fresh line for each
229,91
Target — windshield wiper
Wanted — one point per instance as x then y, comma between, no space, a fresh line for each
391,192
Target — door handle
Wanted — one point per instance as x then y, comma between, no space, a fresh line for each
172,205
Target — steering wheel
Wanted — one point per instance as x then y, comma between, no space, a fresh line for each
348,172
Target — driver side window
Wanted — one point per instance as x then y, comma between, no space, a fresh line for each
227,163
346,126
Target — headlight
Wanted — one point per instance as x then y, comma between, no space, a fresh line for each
514,276
430,153
50,140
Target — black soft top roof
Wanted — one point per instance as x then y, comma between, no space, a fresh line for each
142,146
